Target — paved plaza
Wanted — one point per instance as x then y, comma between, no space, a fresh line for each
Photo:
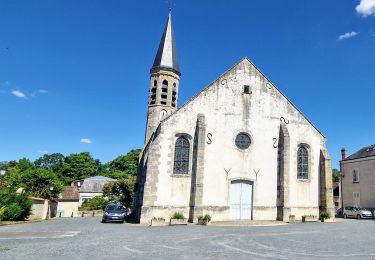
87,238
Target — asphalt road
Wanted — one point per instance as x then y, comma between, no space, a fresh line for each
87,238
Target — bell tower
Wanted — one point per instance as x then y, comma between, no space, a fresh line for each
164,79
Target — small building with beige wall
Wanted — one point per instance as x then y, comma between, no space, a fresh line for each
358,178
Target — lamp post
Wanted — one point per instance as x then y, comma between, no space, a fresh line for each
49,203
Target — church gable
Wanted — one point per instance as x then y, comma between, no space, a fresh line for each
239,137
244,78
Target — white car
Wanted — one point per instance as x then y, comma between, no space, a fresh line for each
357,212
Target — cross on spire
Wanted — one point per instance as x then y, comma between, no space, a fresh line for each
166,57
170,5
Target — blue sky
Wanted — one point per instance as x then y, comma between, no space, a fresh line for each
74,70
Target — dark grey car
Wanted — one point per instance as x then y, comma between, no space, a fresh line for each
114,213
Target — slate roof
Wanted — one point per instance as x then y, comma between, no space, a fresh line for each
166,57
70,193
94,184
362,153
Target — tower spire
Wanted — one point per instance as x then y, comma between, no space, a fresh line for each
164,81
166,57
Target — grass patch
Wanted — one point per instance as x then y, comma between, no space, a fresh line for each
5,249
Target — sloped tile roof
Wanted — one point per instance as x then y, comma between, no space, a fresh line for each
70,193
362,153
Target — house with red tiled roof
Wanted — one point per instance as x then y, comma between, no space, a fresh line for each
68,202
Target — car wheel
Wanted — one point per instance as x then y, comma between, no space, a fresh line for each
358,216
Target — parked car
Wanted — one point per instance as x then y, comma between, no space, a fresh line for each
114,213
357,212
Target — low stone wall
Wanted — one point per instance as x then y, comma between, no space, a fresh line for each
149,213
298,212
90,213
38,209
67,209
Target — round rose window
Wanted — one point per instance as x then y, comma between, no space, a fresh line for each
243,141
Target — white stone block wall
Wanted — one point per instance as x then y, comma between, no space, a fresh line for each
227,112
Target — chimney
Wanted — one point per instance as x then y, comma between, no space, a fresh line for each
343,154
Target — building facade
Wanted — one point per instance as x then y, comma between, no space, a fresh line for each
358,178
67,202
92,187
237,150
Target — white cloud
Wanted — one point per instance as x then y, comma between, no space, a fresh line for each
18,93
43,91
347,35
42,151
86,141
366,8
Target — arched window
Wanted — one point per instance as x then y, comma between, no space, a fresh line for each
164,87
181,156
302,163
155,83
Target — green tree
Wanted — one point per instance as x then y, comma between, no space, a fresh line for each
52,162
14,206
336,175
128,164
120,191
36,182
79,166
24,164
98,202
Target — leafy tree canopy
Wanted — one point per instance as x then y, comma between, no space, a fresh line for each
336,175
14,206
22,164
98,202
52,162
127,164
79,166
120,191
36,182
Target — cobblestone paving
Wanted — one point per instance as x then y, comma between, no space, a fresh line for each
87,238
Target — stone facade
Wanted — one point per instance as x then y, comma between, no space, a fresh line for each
242,100
360,190
239,149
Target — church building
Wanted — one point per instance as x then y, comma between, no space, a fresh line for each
238,150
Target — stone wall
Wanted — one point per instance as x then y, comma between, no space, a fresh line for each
228,111
366,184
67,208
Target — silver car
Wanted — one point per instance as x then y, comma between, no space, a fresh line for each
357,212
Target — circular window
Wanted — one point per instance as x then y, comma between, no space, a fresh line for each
243,141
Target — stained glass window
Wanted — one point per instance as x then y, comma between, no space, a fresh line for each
302,163
181,156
